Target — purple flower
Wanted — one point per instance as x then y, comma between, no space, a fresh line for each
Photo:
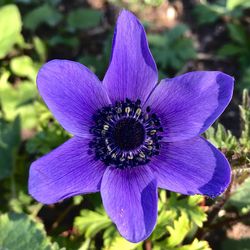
131,135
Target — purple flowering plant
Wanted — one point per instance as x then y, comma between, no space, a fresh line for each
131,134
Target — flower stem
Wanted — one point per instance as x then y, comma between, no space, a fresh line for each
147,245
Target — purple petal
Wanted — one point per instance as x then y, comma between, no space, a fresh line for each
192,167
189,104
130,199
73,93
132,72
66,171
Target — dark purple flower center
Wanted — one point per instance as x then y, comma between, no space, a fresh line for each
128,134
125,136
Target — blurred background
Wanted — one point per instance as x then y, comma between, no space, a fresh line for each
183,36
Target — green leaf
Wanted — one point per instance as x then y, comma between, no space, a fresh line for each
40,48
92,222
238,33
177,32
19,101
56,40
20,202
49,137
221,137
83,19
86,244
24,66
19,232
10,139
195,245
230,49
154,2
178,231
156,40
207,13
112,241
77,200
10,28
120,243
245,79
42,14
232,4
173,49
245,118
241,198
189,205
165,218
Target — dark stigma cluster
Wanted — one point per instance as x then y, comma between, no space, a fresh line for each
124,136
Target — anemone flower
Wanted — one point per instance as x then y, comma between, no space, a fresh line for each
131,134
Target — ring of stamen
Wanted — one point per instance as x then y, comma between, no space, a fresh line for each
124,135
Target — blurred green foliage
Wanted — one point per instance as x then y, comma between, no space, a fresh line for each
42,14
172,49
83,19
34,31
10,28
210,12
10,138
233,15
14,236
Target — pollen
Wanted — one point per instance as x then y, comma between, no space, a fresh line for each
127,110
138,112
106,127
